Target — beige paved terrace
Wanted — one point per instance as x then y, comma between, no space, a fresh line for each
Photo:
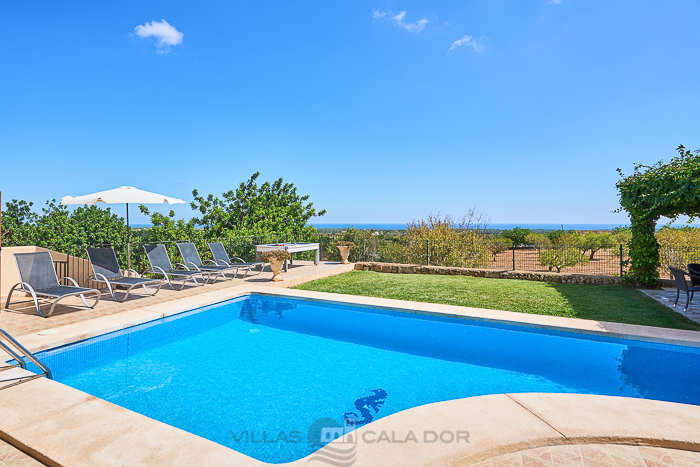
595,455
667,296
21,318
12,457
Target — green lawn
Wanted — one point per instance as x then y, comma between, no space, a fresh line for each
598,302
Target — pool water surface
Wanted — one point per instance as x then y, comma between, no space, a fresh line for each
262,374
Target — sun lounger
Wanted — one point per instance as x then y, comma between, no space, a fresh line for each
191,259
38,278
106,270
160,264
221,258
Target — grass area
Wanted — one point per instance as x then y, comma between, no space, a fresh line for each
597,302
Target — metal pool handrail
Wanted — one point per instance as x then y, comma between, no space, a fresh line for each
46,371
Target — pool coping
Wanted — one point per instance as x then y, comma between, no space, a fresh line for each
71,428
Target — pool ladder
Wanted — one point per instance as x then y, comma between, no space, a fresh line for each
19,349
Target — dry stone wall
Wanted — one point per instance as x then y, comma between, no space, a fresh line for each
562,278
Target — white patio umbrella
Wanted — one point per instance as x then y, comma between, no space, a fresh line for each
122,195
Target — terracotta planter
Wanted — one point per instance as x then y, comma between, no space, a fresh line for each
276,266
344,252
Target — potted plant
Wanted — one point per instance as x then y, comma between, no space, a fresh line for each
276,258
345,248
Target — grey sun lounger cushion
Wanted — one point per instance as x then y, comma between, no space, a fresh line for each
191,259
106,270
221,258
38,279
160,264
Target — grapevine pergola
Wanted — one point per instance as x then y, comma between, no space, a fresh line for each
668,190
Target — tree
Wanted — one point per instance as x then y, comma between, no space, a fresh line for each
556,235
594,242
516,235
563,251
18,224
254,209
498,245
650,192
59,229
453,242
537,240
678,246
559,256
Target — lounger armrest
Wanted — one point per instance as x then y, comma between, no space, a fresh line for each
187,265
214,263
158,270
71,280
131,270
97,277
240,260
222,262
26,287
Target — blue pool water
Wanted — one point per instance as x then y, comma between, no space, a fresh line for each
267,369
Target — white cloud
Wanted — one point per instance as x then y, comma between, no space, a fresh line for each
467,41
166,34
416,27
410,27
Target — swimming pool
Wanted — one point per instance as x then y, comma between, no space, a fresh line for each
264,375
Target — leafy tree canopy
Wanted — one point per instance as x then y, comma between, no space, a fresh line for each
57,228
516,235
253,209
650,192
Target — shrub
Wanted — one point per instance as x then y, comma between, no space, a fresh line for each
678,246
350,245
453,242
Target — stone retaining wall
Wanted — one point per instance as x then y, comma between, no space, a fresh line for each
561,278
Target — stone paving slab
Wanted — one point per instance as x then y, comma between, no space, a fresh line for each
668,296
22,319
595,455
11,457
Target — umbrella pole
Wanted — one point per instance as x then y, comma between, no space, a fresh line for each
128,239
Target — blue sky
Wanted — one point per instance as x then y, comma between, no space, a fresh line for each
523,109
